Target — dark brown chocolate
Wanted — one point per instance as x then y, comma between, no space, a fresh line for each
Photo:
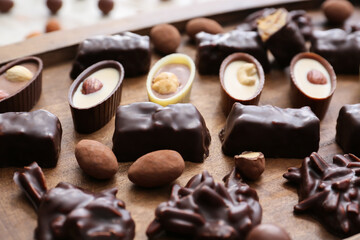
130,49
54,5
276,132
348,129
92,118
106,6
329,192
299,98
268,232
227,100
145,127
212,49
340,48
29,137
67,212
22,96
204,209
6,5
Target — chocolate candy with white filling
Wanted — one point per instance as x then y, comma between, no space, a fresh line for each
329,191
130,49
276,132
69,212
339,48
144,127
205,209
29,137
212,49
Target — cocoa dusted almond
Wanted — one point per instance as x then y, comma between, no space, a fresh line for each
207,25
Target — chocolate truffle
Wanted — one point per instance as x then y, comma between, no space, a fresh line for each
106,6
166,38
6,5
313,82
54,5
95,94
170,79
329,191
196,25
69,212
337,11
268,232
205,209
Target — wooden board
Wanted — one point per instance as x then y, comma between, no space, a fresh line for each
18,218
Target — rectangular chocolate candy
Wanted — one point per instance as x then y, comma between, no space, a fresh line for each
339,48
27,137
348,129
130,49
212,49
144,127
276,132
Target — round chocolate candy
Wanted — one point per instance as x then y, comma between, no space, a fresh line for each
6,5
54,5
267,232
106,6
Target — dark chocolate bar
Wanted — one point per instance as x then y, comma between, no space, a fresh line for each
205,209
341,49
348,129
329,192
144,127
212,49
27,137
71,213
130,49
276,132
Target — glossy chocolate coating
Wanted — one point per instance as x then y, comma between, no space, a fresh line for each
212,49
340,48
29,137
67,212
267,232
348,129
144,127
276,132
330,192
54,5
205,209
130,49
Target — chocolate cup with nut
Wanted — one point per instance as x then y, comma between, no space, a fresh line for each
297,95
23,96
91,118
227,100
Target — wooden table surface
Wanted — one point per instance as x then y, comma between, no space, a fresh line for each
18,218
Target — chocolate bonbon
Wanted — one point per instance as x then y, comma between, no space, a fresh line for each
95,94
250,164
276,132
329,191
144,127
205,209
29,137
339,48
130,49
348,128
69,212
213,49
313,82
268,232
21,80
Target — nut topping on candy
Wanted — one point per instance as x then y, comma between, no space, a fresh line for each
91,85
165,83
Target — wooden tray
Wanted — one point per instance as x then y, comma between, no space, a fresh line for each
18,218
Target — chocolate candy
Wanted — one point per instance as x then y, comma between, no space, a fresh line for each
276,132
69,212
54,5
330,192
130,49
341,49
6,5
204,209
20,84
213,49
348,129
144,127
281,36
267,232
106,6
28,137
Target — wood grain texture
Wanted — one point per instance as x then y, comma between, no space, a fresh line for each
18,218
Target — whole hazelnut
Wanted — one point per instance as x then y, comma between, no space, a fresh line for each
268,232
52,25
6,5
33,34
197,25
250,164
106,6
54,5
166,38
337,11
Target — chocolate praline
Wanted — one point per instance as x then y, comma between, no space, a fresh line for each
228,99
6,5
301,97
267,232
54,5
89,118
